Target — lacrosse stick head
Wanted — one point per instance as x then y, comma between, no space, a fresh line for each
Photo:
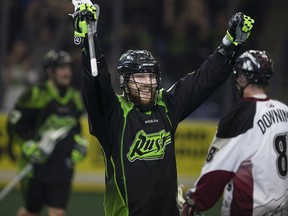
50,138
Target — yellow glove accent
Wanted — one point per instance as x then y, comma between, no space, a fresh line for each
231,38
80,149
90,8
248,24
84,29
84,14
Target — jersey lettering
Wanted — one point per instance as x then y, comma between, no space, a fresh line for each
271,117
211,153
149,146
280,146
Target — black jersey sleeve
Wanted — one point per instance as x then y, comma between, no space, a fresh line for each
190,92
98,95
22,119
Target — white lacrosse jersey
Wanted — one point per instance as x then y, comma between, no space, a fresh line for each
248,160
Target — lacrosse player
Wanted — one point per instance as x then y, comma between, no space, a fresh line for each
42,109
248,158
136,129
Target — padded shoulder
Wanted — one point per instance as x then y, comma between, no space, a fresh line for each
35,97
238,121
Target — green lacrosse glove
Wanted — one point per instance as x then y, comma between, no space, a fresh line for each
34,154
85,13
79,151
240,27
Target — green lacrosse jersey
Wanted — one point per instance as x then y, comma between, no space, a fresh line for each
42,108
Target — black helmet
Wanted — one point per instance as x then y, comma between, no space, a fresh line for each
256,66
55,58
138,61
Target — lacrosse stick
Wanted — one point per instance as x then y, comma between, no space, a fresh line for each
92,29
47,145
15,180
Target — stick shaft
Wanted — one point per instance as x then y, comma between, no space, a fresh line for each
93,61
9,187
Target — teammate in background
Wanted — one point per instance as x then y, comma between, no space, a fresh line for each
40,109
136,130
248,156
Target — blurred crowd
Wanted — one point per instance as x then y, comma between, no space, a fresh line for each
180,34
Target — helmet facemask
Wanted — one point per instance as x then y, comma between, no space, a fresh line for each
142,89
240,83
140,78
57,64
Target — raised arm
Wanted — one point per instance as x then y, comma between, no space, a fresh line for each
99,97
191,91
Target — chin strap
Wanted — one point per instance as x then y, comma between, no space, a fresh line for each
241,91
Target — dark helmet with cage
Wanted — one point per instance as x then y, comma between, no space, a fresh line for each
256,66
56,58
134,62
57,66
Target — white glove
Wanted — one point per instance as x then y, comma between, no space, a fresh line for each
189,207
180,199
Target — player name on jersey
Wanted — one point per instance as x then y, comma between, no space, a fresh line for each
272,117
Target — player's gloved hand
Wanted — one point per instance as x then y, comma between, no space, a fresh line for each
240,27
32,151
83,14
80,149
189,207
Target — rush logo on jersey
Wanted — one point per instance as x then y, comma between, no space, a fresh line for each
56,122
149,146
